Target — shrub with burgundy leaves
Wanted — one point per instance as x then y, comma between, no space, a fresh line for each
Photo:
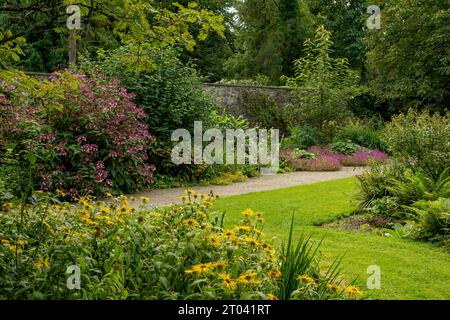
77,135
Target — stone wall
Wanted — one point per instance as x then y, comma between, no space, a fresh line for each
229,95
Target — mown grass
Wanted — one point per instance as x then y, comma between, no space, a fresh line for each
410,269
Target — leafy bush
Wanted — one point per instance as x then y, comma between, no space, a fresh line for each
74,134
177,252
345,147
420,141
434,222
170,92
412,187
303,154
303,138
262,111
361,134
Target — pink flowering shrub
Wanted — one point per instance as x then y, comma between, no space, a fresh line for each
86,137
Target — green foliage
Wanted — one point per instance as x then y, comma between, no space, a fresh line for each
268,38
300,261
361,133
346,21
434,222
303,154
10,49
303,138
170,92
323,84
345,147
262,111
142,24
412,187
408,60
420,141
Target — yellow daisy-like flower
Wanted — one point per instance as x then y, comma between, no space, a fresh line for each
253,242
188,191
184,198
215,241
104,210
245,278
202,268
272,297
275,273
248,213
227,281
7,206
305,279
145,199
41,263
124,209
60,193
353,292
4,241
22,242
243,228
15,249
109,195
333,287
190,222
219,264
228,234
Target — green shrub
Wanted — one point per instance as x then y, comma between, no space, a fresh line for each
303,154
412,187
434,222
420,141
345,147
303,138
170,92
262,111
361,134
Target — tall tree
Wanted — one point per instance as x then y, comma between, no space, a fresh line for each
409,58
269,38
106,24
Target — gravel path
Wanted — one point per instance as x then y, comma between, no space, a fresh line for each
168,196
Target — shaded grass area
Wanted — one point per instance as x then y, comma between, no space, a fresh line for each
410,269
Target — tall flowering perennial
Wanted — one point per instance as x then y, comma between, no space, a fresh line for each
89,137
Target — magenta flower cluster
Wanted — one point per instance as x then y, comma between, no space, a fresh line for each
327,160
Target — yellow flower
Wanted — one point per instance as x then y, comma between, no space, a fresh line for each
215,241
7,206
145,199
190,222
227,281
207,203
22,242
275,273
353,292
15,249
133,198
252,242
109,195
184,198
245,278
272,297
104,210
228,234
333,287
60,193
190,192
243,228
5,241
124,209
202,268
219,264
248,213
41,263
305,279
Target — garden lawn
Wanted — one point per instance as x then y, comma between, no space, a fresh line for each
410,269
